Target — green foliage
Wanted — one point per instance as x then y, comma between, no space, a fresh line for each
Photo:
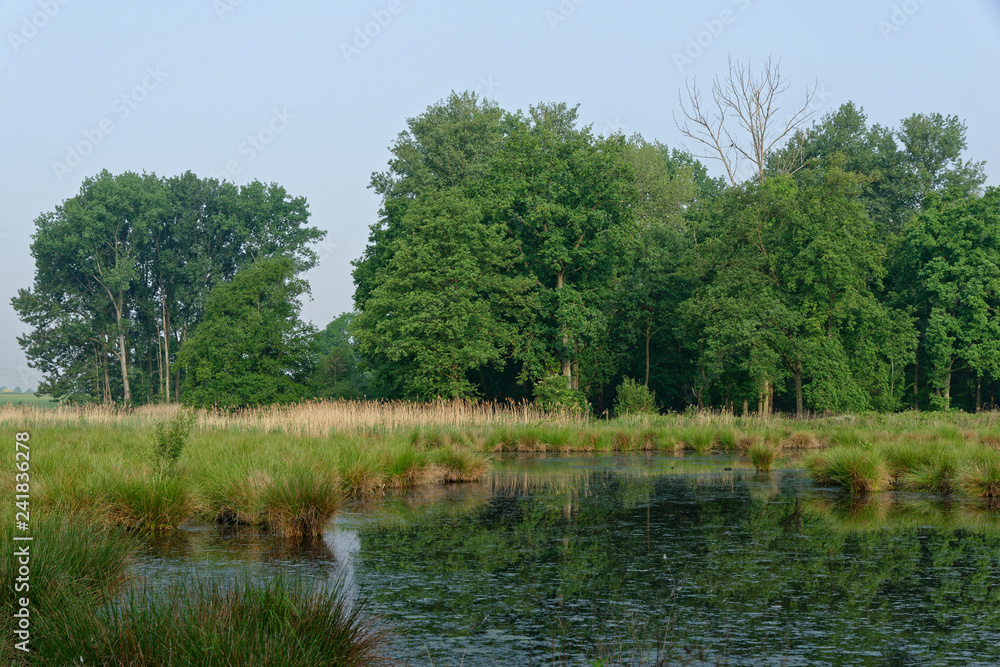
338,371
553,393
170,437
634,399
251,348
124,268
436,314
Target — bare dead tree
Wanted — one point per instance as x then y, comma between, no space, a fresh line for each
746,123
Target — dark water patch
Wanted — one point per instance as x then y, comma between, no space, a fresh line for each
695,560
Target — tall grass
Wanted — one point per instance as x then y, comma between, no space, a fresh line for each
79,615
204,622
76,567
856,468
301,503
763,455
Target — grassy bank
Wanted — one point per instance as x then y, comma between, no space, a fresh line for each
82,613
288,469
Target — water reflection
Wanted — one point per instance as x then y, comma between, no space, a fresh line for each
697,560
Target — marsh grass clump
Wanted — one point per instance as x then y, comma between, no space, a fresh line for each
77,566
362,469
462,466
859,470
235,496
980,476
763,455
700,439
161,503
200,621
801,440
300,503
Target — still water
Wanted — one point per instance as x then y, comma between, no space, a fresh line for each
635,560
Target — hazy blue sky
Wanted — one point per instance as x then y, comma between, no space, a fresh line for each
167,87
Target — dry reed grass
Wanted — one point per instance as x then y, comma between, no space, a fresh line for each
313,419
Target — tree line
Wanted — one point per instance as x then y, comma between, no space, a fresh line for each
518,255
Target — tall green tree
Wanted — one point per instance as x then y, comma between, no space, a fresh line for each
123,271
950,269
250,349
788,276
565,196
338,372
450,145
438,311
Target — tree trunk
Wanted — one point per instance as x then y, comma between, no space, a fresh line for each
979,393
107,380
947,386
798,388
567,369
648,336
916,374
123,358
166,344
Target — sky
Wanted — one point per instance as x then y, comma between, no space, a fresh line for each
311,95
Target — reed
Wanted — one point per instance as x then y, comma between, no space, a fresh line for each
199,621
763,455
300,503
980,476
858,469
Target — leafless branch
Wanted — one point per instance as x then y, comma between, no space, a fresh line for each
755,128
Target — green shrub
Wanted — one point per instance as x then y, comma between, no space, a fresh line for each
171,436
553,394
634,399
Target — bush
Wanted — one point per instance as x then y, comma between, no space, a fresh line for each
553,394
634,399
171,436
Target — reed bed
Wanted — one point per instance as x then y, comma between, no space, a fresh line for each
945,464
288,468
84,611
247,622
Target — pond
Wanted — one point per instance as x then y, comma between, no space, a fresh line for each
639,559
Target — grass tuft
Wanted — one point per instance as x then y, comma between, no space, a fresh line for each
161,503
859,470
301,503
763,455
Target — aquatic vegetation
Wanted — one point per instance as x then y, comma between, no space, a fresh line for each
763,455
858,469
300,503
77,565
980,477
161,503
